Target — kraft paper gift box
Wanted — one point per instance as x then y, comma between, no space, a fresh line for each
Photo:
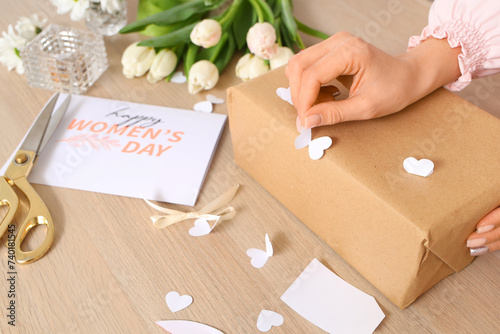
402,232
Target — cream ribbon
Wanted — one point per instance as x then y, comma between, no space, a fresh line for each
209,212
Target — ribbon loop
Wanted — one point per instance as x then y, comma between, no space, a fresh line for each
172,217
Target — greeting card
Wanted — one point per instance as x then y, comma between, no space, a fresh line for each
130,149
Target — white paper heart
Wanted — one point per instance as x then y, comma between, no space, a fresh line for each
284,94
204,106
303,139
201,228
260,257
318,146
422,167
267,319
214,99
176,302
178,77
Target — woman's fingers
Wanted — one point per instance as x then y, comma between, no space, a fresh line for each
302,61
486,238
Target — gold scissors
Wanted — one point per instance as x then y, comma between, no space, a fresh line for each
16,176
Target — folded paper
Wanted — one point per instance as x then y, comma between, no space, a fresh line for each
332,304
259,257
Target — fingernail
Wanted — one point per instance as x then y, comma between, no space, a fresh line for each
476,242
479,251
336,94
312,121
298,124
484,229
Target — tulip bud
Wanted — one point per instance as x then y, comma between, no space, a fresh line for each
206,33
203,75
281,57
261,40
250,66
164,63
137,60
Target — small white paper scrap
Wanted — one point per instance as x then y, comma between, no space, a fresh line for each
176,302
332,304
178,77
204,106
285,94
422,167
186,327
201,227
260,257
214,99
267,319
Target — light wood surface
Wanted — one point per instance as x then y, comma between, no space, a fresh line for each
108,270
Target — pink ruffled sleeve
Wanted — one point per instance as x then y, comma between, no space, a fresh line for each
472,24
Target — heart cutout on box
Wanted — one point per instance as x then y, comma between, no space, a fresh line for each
267,319
176,302
318,146
285,94
303,139
422,167
204,106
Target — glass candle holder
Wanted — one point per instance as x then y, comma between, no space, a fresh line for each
106,18
64,59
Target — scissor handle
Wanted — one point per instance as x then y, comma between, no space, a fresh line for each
7,197
38,214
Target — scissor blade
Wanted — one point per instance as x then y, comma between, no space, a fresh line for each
54,121
35,135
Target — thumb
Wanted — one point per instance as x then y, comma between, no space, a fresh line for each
351,109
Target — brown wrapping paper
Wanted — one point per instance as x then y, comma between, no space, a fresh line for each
402,232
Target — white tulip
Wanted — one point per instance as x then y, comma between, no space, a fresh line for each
137,60
203,75
164,63
250,66
281,58
261,40
206,33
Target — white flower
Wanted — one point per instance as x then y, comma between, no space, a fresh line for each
137,60
29,27
261,40
111,6
202,75
164,63
281,57
206,33
76,7
11,46
250,66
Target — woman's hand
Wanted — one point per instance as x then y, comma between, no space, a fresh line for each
380,84
487,236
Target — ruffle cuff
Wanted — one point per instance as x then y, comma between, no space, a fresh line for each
458,33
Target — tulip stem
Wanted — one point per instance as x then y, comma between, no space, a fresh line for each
219,47
258,10
190,58
230,14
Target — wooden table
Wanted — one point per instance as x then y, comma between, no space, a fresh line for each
108,270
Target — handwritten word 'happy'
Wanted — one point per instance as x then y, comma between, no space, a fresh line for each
130,120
